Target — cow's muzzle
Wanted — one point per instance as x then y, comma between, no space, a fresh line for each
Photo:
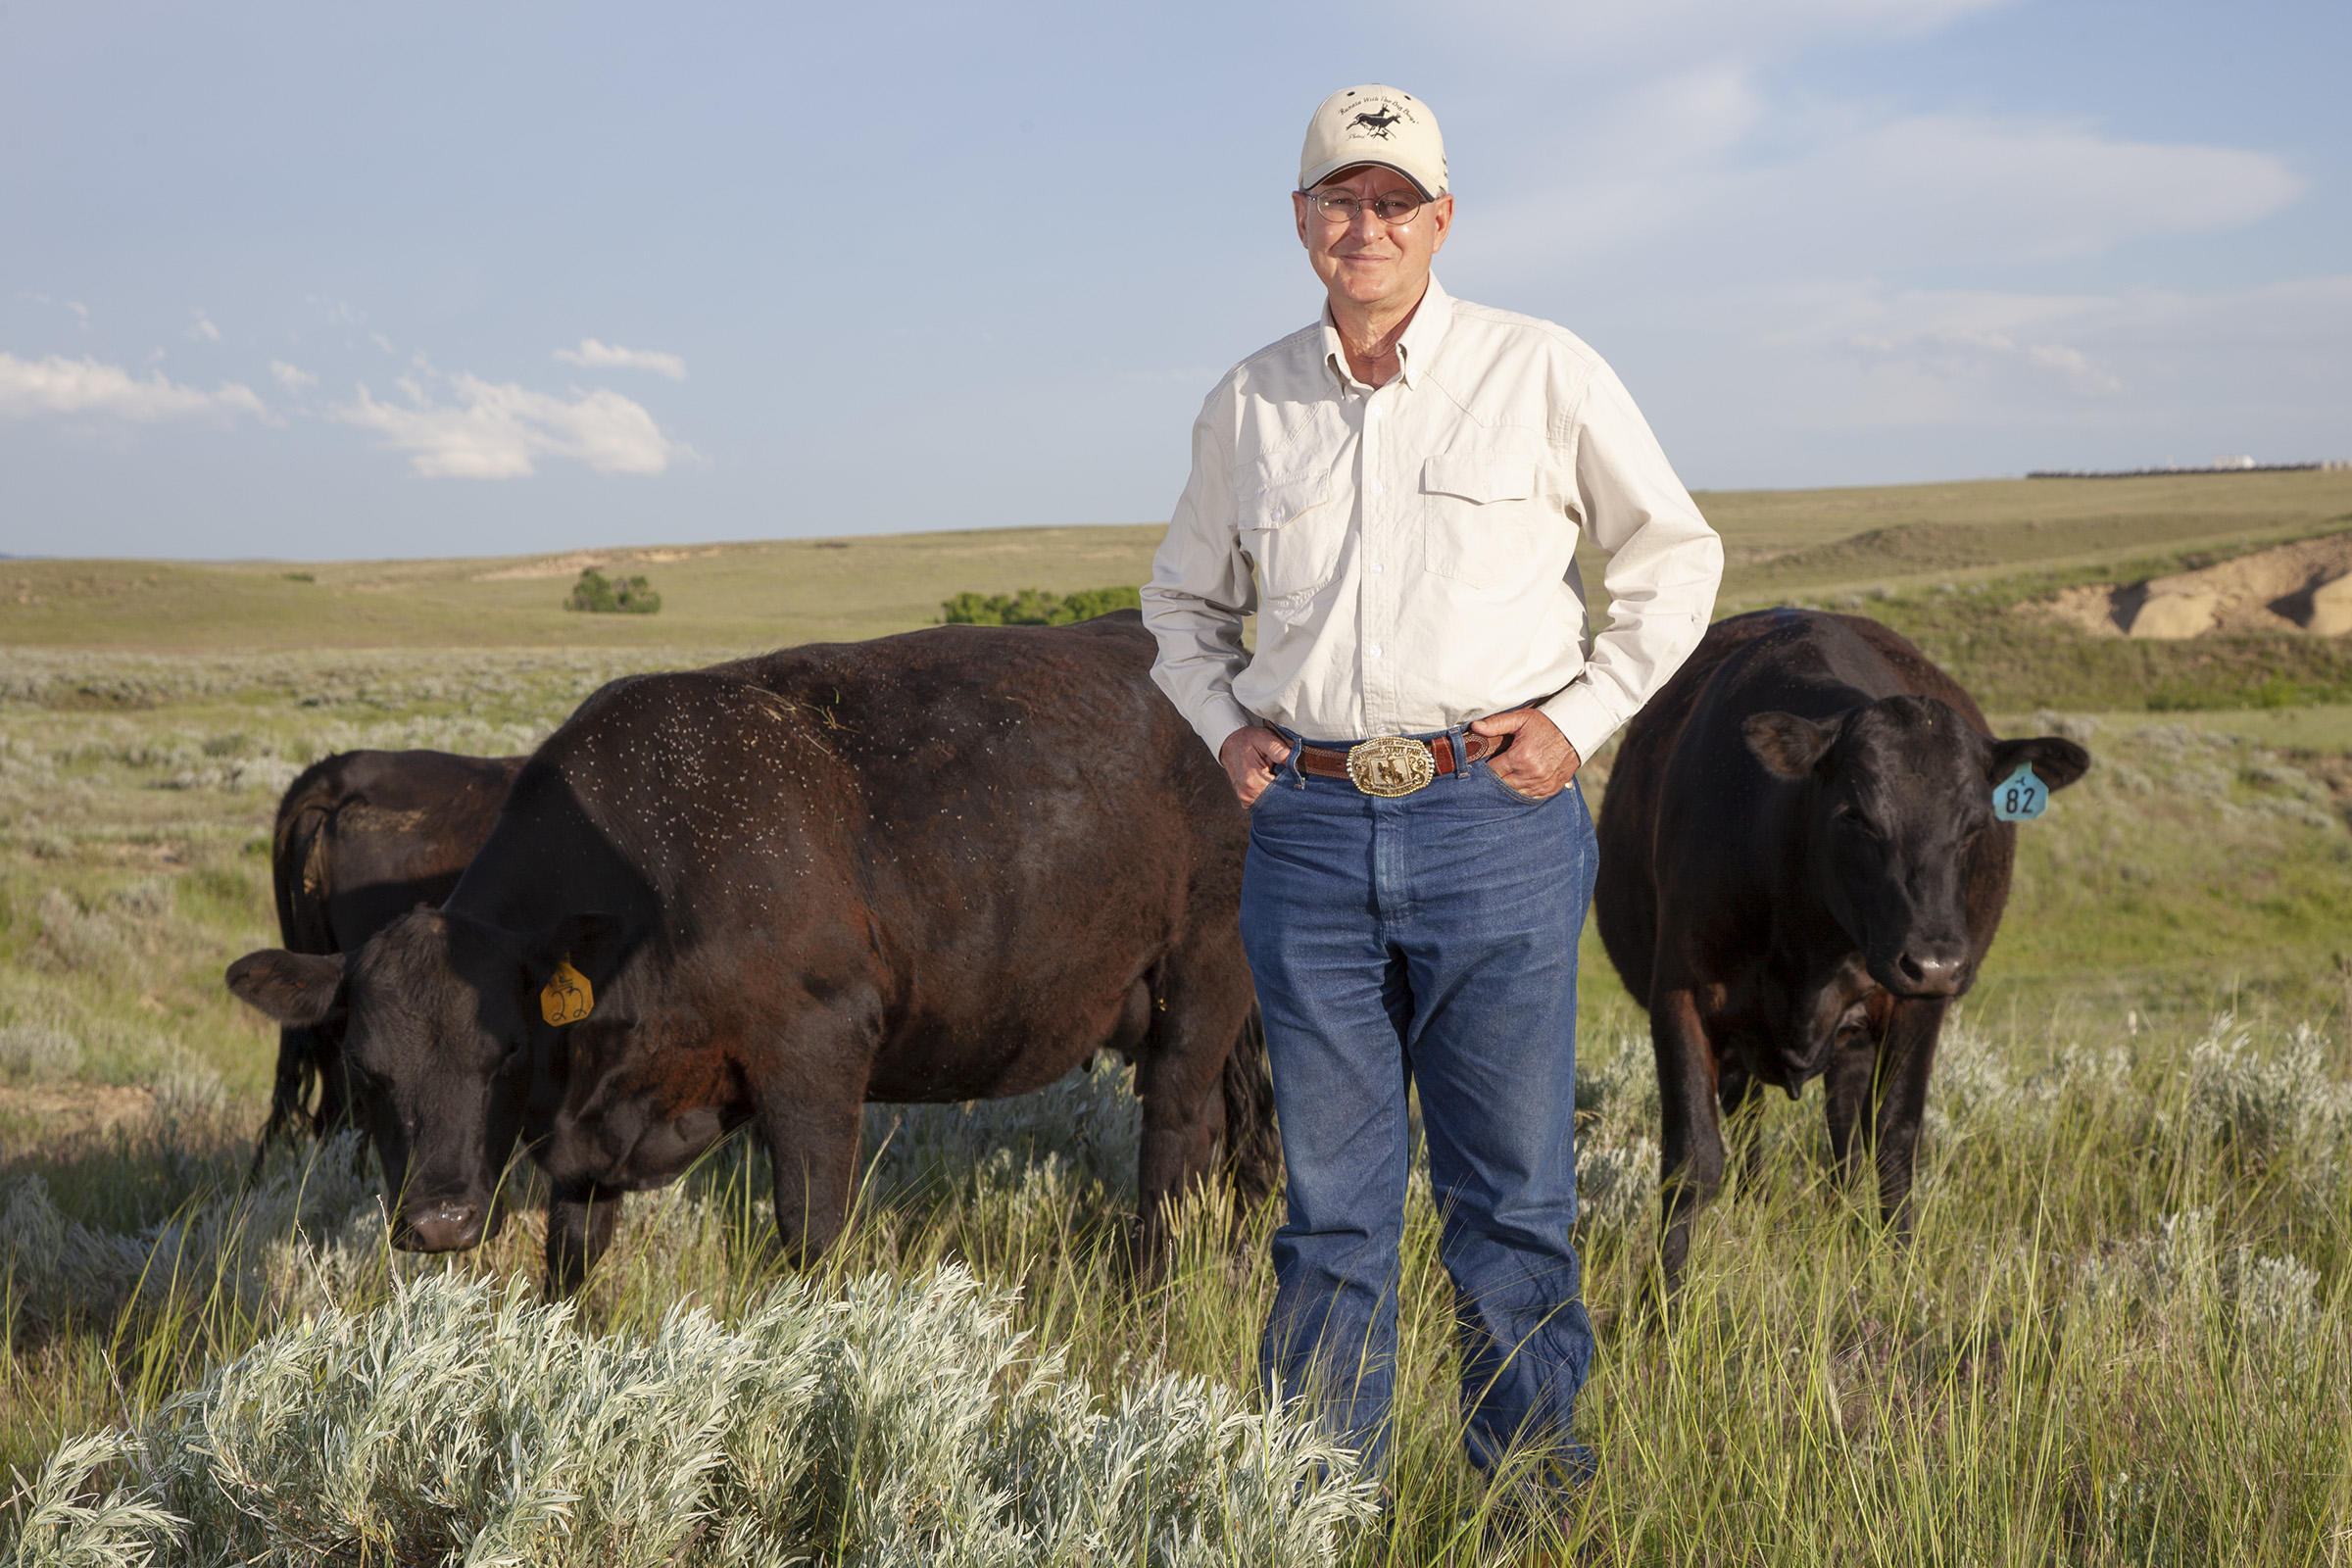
450,1225
1929,972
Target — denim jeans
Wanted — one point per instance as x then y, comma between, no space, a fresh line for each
1427,940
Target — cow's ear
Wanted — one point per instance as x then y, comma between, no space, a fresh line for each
297,988
1787,746
591,943
2057,761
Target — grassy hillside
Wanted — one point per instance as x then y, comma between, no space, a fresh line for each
1781,543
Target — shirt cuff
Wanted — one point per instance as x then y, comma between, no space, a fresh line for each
1219,718
1580,714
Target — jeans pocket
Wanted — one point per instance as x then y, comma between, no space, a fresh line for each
1487,772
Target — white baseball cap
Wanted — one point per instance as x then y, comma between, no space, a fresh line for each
1374,124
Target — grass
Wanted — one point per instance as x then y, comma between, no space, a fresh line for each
2120,1337
763,594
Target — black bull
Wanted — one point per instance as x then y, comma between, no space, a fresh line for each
939,866
1799,870
362,839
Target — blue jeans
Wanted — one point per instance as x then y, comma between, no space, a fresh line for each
1427,940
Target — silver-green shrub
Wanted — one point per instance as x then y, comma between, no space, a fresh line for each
2182,1277
33,1052
1088,1120
896,1422
1616,1152
266,1244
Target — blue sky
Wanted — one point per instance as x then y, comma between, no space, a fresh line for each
326,281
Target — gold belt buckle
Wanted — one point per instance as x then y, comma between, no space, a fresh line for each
1389,765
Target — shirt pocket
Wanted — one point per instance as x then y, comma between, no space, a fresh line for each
1479,517
1290,534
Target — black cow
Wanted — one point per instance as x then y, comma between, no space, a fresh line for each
1799,870
362,838
938,866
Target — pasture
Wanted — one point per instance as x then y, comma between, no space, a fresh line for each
2123,1335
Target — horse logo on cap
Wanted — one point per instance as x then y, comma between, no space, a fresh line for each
1382,122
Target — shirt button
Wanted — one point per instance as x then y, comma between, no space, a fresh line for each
1374,568
1373,651
1376,487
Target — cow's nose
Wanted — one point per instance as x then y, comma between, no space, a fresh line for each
1931,973
443,1227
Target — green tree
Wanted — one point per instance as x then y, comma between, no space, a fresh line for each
1034,607
625,596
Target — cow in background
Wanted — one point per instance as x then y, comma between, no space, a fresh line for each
1800,870
362,839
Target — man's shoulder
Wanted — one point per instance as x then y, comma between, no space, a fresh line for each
1299,353
1484,326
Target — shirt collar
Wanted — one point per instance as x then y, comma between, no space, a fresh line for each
1415,351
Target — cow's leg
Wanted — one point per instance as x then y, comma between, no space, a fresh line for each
1690,1159
1905,1059
809,1112
1848,1097
580,1217
1205,997
1736,1095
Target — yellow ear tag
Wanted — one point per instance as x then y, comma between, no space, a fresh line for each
568,997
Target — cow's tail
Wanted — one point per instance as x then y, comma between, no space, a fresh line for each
297,873
1253,1147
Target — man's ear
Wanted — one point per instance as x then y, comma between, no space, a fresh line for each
592,942
297,988
1787,746
2056,762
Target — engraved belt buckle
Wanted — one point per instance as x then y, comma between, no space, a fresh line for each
1389,765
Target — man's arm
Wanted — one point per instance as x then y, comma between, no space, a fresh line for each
1201,588
1664,566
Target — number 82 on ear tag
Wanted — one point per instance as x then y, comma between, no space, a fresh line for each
568,998
2021,797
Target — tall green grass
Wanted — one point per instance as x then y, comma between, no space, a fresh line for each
2119,1336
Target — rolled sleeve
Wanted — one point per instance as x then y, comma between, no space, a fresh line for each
1665,565
1202,588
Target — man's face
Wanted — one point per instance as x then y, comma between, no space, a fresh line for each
1366,262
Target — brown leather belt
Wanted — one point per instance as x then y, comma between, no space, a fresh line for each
1392,765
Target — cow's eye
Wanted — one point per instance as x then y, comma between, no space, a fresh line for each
1846,816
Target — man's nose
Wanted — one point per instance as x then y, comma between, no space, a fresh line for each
1366,224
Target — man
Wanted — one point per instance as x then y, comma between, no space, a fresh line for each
1397,492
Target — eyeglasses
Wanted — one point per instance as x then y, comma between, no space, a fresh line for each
1396,206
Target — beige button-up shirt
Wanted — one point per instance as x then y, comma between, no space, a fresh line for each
1410,549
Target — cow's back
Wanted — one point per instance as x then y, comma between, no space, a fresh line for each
996,830
364,836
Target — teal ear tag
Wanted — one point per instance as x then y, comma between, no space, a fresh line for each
2021,797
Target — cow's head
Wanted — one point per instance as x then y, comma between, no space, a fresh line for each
1896,795
441,1017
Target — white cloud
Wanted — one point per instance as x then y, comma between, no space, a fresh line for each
293,377
1855,382
202,330
1983,356
496,430
81,311
1614,31
1859,196
59,385
383,342
596,356
1951,188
